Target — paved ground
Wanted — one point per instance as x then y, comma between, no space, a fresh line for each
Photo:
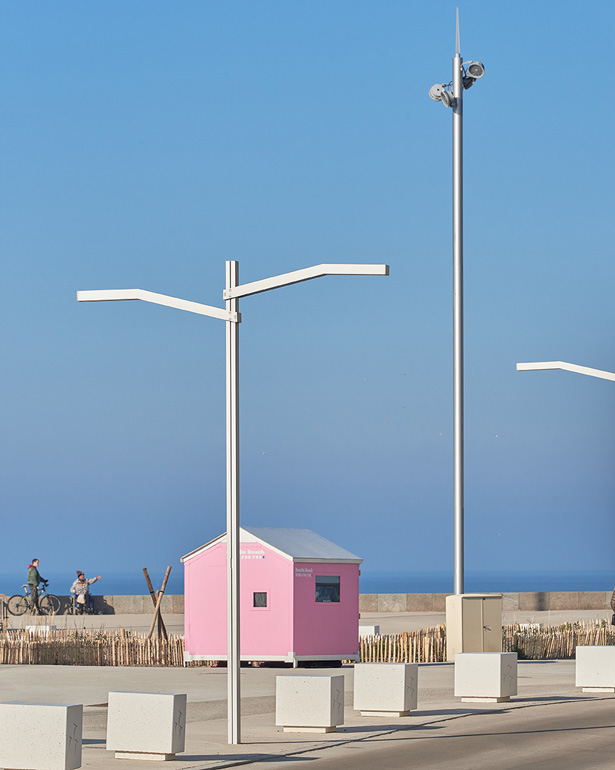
389,622
549,724
396,622
567,736
549,720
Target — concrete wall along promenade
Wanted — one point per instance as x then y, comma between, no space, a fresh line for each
129,605
513,602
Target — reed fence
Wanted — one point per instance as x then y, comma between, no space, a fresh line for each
537,642
90,648
428,645
530,642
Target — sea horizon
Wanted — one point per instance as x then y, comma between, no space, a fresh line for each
371,582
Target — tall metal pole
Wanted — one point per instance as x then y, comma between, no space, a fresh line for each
458,312
231,315
232,511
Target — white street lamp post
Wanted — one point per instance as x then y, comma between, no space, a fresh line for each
464,76
542,365
231,315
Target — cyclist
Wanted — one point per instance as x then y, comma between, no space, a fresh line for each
81,589
34,580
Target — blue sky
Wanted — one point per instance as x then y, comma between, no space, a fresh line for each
146,143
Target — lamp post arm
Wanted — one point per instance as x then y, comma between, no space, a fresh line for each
306,274
542,365
112,295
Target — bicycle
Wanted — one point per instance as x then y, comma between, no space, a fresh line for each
48,604
76,608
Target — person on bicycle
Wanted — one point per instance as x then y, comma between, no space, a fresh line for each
81,589
34,580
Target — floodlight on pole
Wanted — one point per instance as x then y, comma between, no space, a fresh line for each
451,95
232,292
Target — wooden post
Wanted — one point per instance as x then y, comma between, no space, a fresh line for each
158,602
162,631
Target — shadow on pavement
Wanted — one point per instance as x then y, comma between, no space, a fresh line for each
243,758
551,698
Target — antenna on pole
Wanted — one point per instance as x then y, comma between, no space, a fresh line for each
457,48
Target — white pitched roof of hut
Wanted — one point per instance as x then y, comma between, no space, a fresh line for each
300,545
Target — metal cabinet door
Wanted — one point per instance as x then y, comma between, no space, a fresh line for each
492,624
472,619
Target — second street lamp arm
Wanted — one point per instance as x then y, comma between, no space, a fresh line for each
306,274
542,365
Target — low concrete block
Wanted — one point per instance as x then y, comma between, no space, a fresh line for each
131,605
536,601
595,668
385,689
309,704
485,677
419,602
368,631
40,736
510,602
368,602
146,725
593,600
178,604
564,600
392,602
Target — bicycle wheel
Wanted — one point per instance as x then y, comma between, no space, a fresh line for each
48,604
17,604
54,603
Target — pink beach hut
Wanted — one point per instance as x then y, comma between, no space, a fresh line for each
299,598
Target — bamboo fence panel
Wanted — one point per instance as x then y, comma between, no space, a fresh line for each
91,648
529,641
427,645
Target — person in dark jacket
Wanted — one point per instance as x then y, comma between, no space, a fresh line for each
34,580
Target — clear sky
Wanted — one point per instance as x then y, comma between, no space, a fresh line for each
144,143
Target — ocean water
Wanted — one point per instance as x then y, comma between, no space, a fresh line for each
112,584
484,582
371,582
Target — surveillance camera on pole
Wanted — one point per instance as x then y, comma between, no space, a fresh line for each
451,95
475,69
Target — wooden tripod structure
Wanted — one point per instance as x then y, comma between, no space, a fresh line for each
157,601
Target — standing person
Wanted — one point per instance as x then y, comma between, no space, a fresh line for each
613,608
34,580
81,589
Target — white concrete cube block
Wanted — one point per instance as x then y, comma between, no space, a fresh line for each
146,725
40,736
595,668
309,703
368,631
485,677
385,689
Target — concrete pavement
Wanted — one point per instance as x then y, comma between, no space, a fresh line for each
397,622
570,736
389,622
541,685
442,733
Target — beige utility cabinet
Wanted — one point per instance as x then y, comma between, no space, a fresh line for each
473,623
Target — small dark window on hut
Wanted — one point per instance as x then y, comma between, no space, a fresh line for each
260,598
327,588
